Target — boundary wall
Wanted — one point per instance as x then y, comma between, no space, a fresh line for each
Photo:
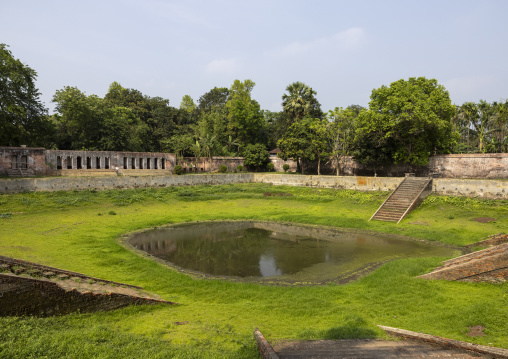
495,189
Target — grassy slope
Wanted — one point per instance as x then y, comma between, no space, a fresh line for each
77,231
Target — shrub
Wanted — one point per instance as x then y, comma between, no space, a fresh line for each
255,156
270,167
223,169
178,170
285,167
239,168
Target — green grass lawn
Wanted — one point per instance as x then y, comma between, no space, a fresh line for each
79,231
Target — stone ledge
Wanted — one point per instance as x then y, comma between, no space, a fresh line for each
494,352
265,348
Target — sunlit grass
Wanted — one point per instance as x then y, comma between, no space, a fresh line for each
78,231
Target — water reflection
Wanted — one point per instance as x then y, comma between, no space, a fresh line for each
267,250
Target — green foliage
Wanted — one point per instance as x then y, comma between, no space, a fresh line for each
255,156
270,167
245,120
483,127
187,104
300,102
285,167
23,118
239,168
223,169
305,140
406,123
341,133
178,170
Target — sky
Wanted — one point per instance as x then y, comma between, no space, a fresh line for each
342,49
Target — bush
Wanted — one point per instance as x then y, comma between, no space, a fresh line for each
178,170
223,169
270,167
255,156
285,167
239,168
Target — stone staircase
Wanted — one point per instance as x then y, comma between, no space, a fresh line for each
487,265
407,196
20,172
28,288
413,345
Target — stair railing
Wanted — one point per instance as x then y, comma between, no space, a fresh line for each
415,200
390,196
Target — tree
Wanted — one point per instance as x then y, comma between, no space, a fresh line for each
256,155
300,102
245,120
341,129
23,118
187,104
216,97
305,140
408,121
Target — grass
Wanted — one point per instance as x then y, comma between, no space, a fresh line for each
78,231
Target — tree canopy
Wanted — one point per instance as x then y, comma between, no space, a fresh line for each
406,122
300,101
23,118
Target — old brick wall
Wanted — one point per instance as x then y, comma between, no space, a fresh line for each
35,159
491,165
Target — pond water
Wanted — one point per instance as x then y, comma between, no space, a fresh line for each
277,253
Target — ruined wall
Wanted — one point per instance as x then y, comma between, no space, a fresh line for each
15,158
202,164
496,189
197,165
278,163
73,163
16,185
339,182
491,165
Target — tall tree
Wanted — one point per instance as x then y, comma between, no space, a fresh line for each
245,120
187,104
300,101
305,140
410,120
23,118
341,130
216,97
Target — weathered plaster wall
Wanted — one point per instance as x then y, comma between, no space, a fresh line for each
35,159
491,165
444,186
16,185
340,182
202,164
278,163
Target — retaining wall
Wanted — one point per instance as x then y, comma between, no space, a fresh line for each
497,189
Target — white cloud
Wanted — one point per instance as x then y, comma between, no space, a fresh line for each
223,66
350,39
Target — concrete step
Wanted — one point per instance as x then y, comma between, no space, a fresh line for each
366,349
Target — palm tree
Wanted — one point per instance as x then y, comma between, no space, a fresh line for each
300,102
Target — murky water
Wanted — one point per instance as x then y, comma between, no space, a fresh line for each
270,252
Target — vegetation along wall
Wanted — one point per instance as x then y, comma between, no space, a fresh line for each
446,186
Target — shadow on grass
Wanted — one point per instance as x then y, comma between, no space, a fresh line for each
354,327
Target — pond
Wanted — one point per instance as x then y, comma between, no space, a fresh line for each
278,253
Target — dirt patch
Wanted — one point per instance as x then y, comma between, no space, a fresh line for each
421,223
484,219
277,194
476,331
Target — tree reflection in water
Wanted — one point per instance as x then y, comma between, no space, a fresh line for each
261,250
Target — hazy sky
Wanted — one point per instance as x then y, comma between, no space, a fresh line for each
342,49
